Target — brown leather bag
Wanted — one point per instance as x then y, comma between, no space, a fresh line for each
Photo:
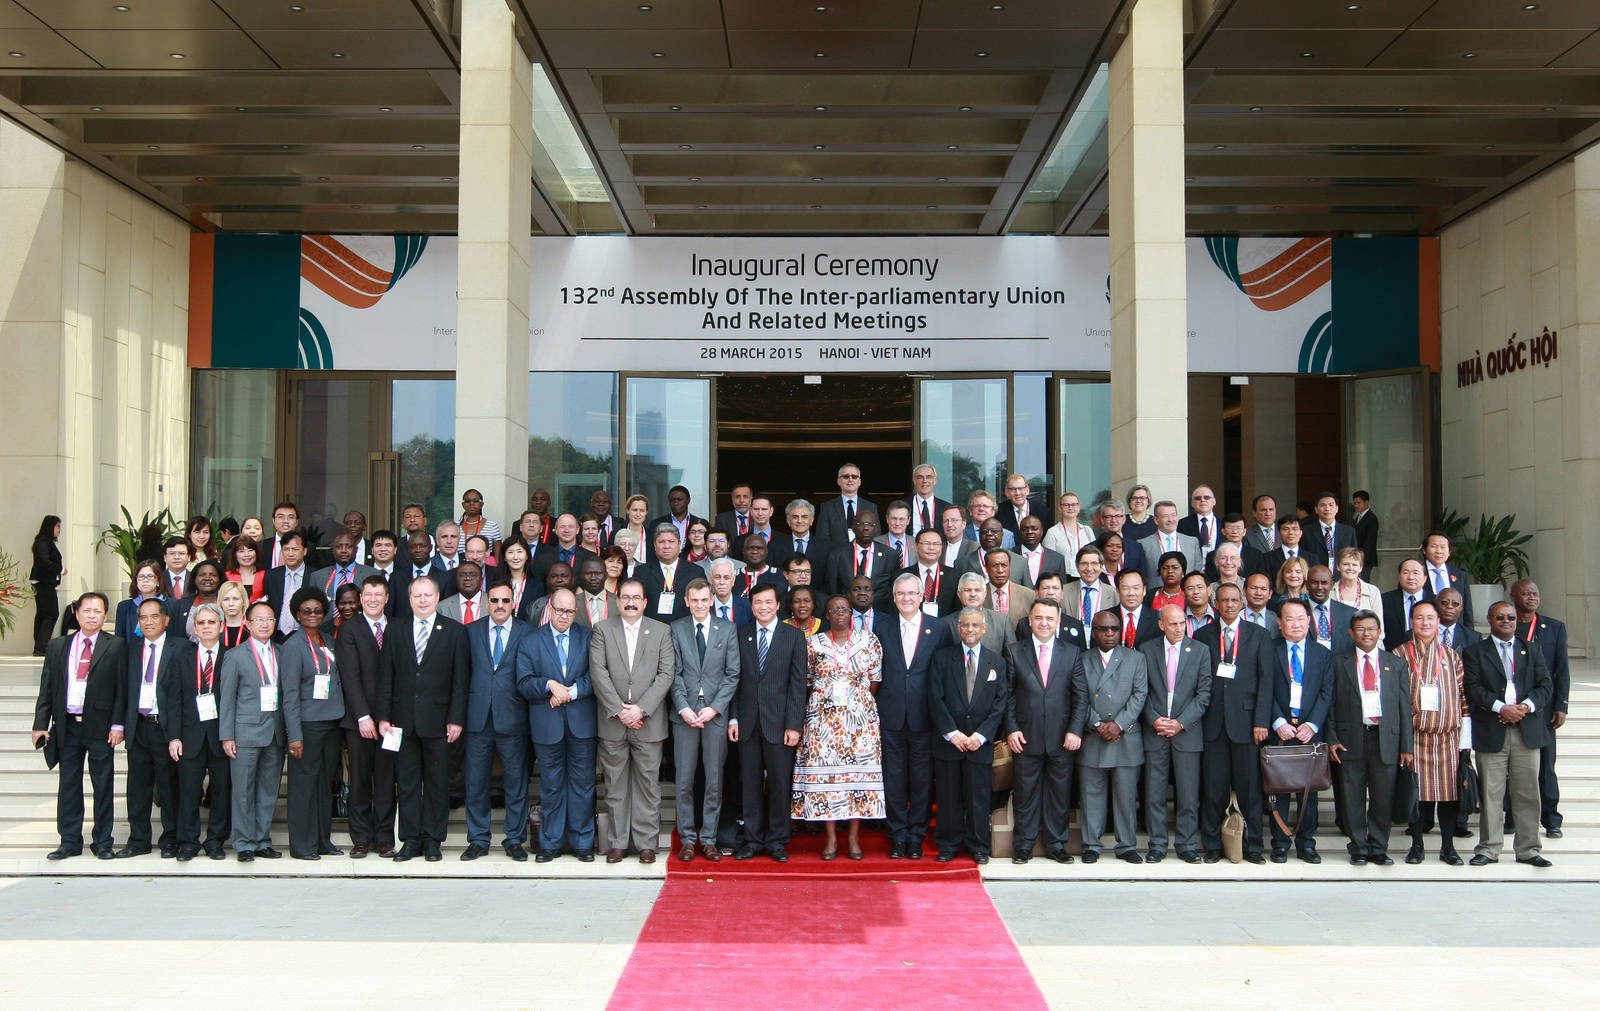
1294,768
1002,774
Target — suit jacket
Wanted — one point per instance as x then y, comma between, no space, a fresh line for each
903,696
1150,551
939,506
298,672
1020,600
129,717
239,715
950,710
1366,528
1551,638
1117,690
450,606
1070,630
1148,627
167,589
998,636
655,521
1189,699
105,697
728,522
1190,525
538,664
273,587
1458,581
357,652
654,579
1239,704
323,579
744,581
896,558
1006,513
581,596
176,690
1339,615
548,554
423,697
1396,622
772,698
842,569
1053,561
830,519
968,558
1046,711
710,681
817,551
1316,685
1072,599
645,681
1464,635
493,700
946,600
1485,681
1344,536
738,609
1347,724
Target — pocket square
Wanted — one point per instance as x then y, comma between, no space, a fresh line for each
992,675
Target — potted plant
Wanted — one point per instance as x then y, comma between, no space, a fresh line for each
122,539
15,592
1490,556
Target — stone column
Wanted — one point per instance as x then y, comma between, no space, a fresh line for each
1579,370
1149,313
496,178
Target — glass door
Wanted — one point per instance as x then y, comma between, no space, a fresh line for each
667,440
1387,454
1084,438
334,424
964,430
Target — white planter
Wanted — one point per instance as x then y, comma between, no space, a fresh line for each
1484,596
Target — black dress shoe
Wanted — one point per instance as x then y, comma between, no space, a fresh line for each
914,852
214,851
980,858
244,856
1552,833
1358,859
1212,856
406,852
1280,856
545,856
1130,857
62,853
1479,860
474,851
268,854
168,852
132,851
748,851
1254,858
1189,857
1155,856
780,854
330,850
1463,832
359,851
1382,860
584,856
1060,856
1021,858
1091,856
1309,855
1414,854
896,851
304,856
431,853
106,852
1451,857
1535,861
516,852
942,858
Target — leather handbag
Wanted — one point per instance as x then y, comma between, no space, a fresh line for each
1294,768
1467,788
1002,773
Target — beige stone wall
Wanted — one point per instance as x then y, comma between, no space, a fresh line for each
94,382
1527,442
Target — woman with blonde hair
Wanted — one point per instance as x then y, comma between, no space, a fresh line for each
1351,589
1291,582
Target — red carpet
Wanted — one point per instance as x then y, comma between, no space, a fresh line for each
716,942
805,861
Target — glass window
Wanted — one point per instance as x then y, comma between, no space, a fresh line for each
572,438
335,427
1030,395
668,440
422,429
964,434
234,441
1385,455
1085,440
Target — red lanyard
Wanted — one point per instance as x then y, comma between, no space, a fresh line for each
316,661
256,656
200,670
1533,623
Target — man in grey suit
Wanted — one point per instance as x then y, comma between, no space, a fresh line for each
1180,690
344,569
707,675
1369,736
1113,748
1166,538
999,634
631,664
250,723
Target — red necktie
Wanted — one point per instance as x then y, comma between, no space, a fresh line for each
1369,676
377,633
1128,628
928,588
468,612
206,673
84,656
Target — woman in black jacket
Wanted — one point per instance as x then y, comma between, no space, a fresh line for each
45,576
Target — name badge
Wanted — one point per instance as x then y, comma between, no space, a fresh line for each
147,696
1430,698
930,608
1227,670
840,693
1294,696
76,692
665,604
269,698
205,706
321,685
391,739
1371,705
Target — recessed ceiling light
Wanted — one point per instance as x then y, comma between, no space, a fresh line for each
646,7
1219,147
819,54
818,147
982,53
1188,179
820,7
966,108
1306,55
176,56
675,108
684,147
199,179
1255,108
238,108
997,7
385,108
1469,56
447,179
283,147
416,147
1530,7
658,55
296,8
942,179
322,179
694,179
1352,7
97,108
16,54
816,207
816,179
337,55
699,207
952,147
1549,108
1402,108
152,147
120,8
1488,147
819,108
931,207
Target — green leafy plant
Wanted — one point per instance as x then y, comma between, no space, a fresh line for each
1493,554
15,591
122,539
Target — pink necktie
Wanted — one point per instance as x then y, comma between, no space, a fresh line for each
1044,664
1172,668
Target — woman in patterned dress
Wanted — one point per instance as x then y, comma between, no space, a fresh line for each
1439,707
838,773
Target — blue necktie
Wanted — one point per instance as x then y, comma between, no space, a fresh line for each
499,645
566,555
1296,671
761,649
561,650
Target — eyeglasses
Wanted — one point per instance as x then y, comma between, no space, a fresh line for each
472,501
312,609
561,610
499,600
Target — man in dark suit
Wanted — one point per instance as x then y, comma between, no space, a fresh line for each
736,521
863,557
600,505
152,771
966,704
1441,575
666,575
801,540
553,677
1302,695
82,701
1397,603
726,604
1031,560
1325,535
564,548
1365,524
371,767
927,509
1550,636
1202,522
285,517
1140,624
1330,619
497,720
422,693
1044,728
1020,502
677,514
1454,632
282,582
910,639
769,710
1071,629
1291,544
417,563
175,582
756,570
1180,690
1509,689
938,580
1369,736
836,517
1236,720
187,690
